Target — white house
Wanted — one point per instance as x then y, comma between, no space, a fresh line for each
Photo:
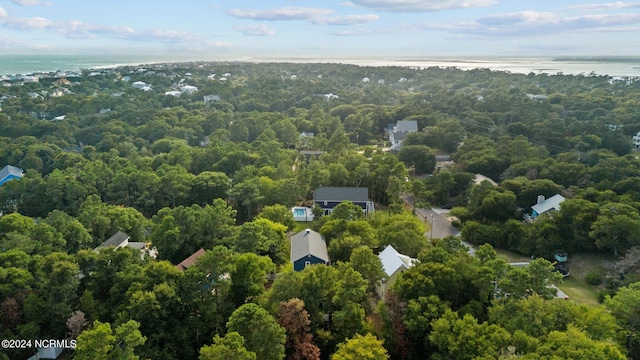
188,89
393,264
210,99
636,140
173,93
399,132
139,84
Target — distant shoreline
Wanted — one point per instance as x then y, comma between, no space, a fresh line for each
611,59
625,66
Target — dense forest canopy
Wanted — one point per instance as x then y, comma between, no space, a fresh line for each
212,156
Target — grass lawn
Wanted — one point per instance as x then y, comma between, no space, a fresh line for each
579,291
579,265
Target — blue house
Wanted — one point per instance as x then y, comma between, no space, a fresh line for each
307,248
544,206
329,197
10,172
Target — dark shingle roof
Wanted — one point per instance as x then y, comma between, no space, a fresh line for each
308,242
342,194
116,240
406,125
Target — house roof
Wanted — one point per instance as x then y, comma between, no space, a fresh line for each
10,170
392,260
342,194
115,240
406,125
190,261
399,136
308,242
551,203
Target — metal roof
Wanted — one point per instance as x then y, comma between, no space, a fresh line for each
392,260
10,170
551,203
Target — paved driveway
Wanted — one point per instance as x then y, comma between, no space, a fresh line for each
440,226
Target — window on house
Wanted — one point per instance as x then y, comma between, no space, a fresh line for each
307,263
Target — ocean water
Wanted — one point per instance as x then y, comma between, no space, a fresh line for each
612,66
27,64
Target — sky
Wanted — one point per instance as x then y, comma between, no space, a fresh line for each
306,28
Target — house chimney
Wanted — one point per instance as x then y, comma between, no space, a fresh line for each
540,199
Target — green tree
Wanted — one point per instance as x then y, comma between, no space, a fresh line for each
102,343
261,332
575,344
279,214
360,347
264,237
347,211
535,278
364,261
249,276
246,195
616,228
75,235
418,157
625,307
231,347
209,185
463,338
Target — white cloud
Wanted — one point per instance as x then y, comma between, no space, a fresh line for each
255,30
26,23
81,30
372,31
347,4
518,18
401,6
531,23
606,6
3,13
346,19
30,2
284,13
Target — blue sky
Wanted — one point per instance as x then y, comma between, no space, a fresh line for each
299,28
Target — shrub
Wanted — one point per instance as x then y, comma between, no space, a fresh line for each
593,278
602,294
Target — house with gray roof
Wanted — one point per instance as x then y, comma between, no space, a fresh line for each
10,172
399,131
308,247
393,264
121,239
329,197
116,240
